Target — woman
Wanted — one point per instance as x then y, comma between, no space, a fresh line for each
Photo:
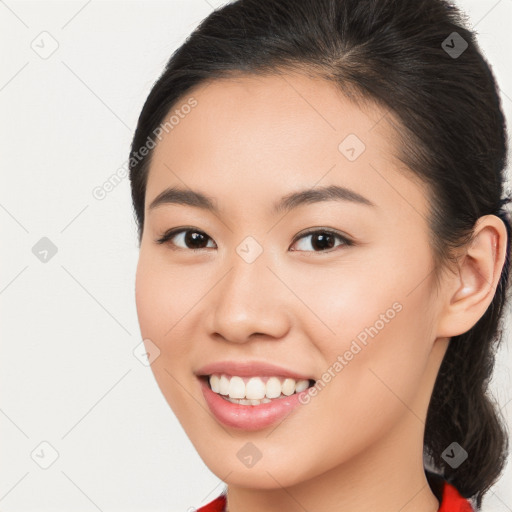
324,253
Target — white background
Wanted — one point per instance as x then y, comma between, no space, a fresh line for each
68,375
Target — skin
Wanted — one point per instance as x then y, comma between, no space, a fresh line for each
358,444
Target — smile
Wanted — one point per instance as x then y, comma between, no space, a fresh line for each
227,399
255,390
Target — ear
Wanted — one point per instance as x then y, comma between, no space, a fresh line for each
471,290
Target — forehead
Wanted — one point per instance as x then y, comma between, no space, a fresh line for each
248,135
280,104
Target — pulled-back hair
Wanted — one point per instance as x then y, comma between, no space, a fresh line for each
443,102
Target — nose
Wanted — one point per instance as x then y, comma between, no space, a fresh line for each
250,301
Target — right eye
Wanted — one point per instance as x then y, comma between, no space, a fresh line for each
190,238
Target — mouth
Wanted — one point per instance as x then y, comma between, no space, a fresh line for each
254,390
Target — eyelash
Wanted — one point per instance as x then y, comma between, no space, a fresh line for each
168,235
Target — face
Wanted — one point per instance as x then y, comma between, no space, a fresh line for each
335,288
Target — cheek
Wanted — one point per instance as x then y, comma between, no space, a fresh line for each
162,298
159,310
375,341
382,297
147,298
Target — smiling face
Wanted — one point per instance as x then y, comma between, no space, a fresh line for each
351,305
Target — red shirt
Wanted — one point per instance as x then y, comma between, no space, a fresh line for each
451,501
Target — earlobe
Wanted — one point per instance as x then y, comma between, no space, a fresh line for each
471,289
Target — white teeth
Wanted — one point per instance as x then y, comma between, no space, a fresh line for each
288,387
236,388
301,386
273,388
223,385
254,390
257,402
248,402
215,383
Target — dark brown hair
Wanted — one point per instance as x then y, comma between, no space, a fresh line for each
418,60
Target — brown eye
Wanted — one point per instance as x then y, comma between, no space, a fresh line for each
322,240
185,238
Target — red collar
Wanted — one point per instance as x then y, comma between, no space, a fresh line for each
452,501
217,505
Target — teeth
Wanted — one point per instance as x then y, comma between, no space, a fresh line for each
289,386
236,388
273,387
301,386
254,390
215,383
223,385
248,402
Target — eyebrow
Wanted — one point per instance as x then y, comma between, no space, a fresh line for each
175,195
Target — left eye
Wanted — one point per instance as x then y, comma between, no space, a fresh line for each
323,239
195,239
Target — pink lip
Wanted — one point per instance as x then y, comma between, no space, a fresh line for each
249,369
249,417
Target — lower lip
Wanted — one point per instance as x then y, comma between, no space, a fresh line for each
249,417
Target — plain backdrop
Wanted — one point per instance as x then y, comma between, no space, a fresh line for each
83,424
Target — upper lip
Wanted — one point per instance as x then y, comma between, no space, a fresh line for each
249,369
